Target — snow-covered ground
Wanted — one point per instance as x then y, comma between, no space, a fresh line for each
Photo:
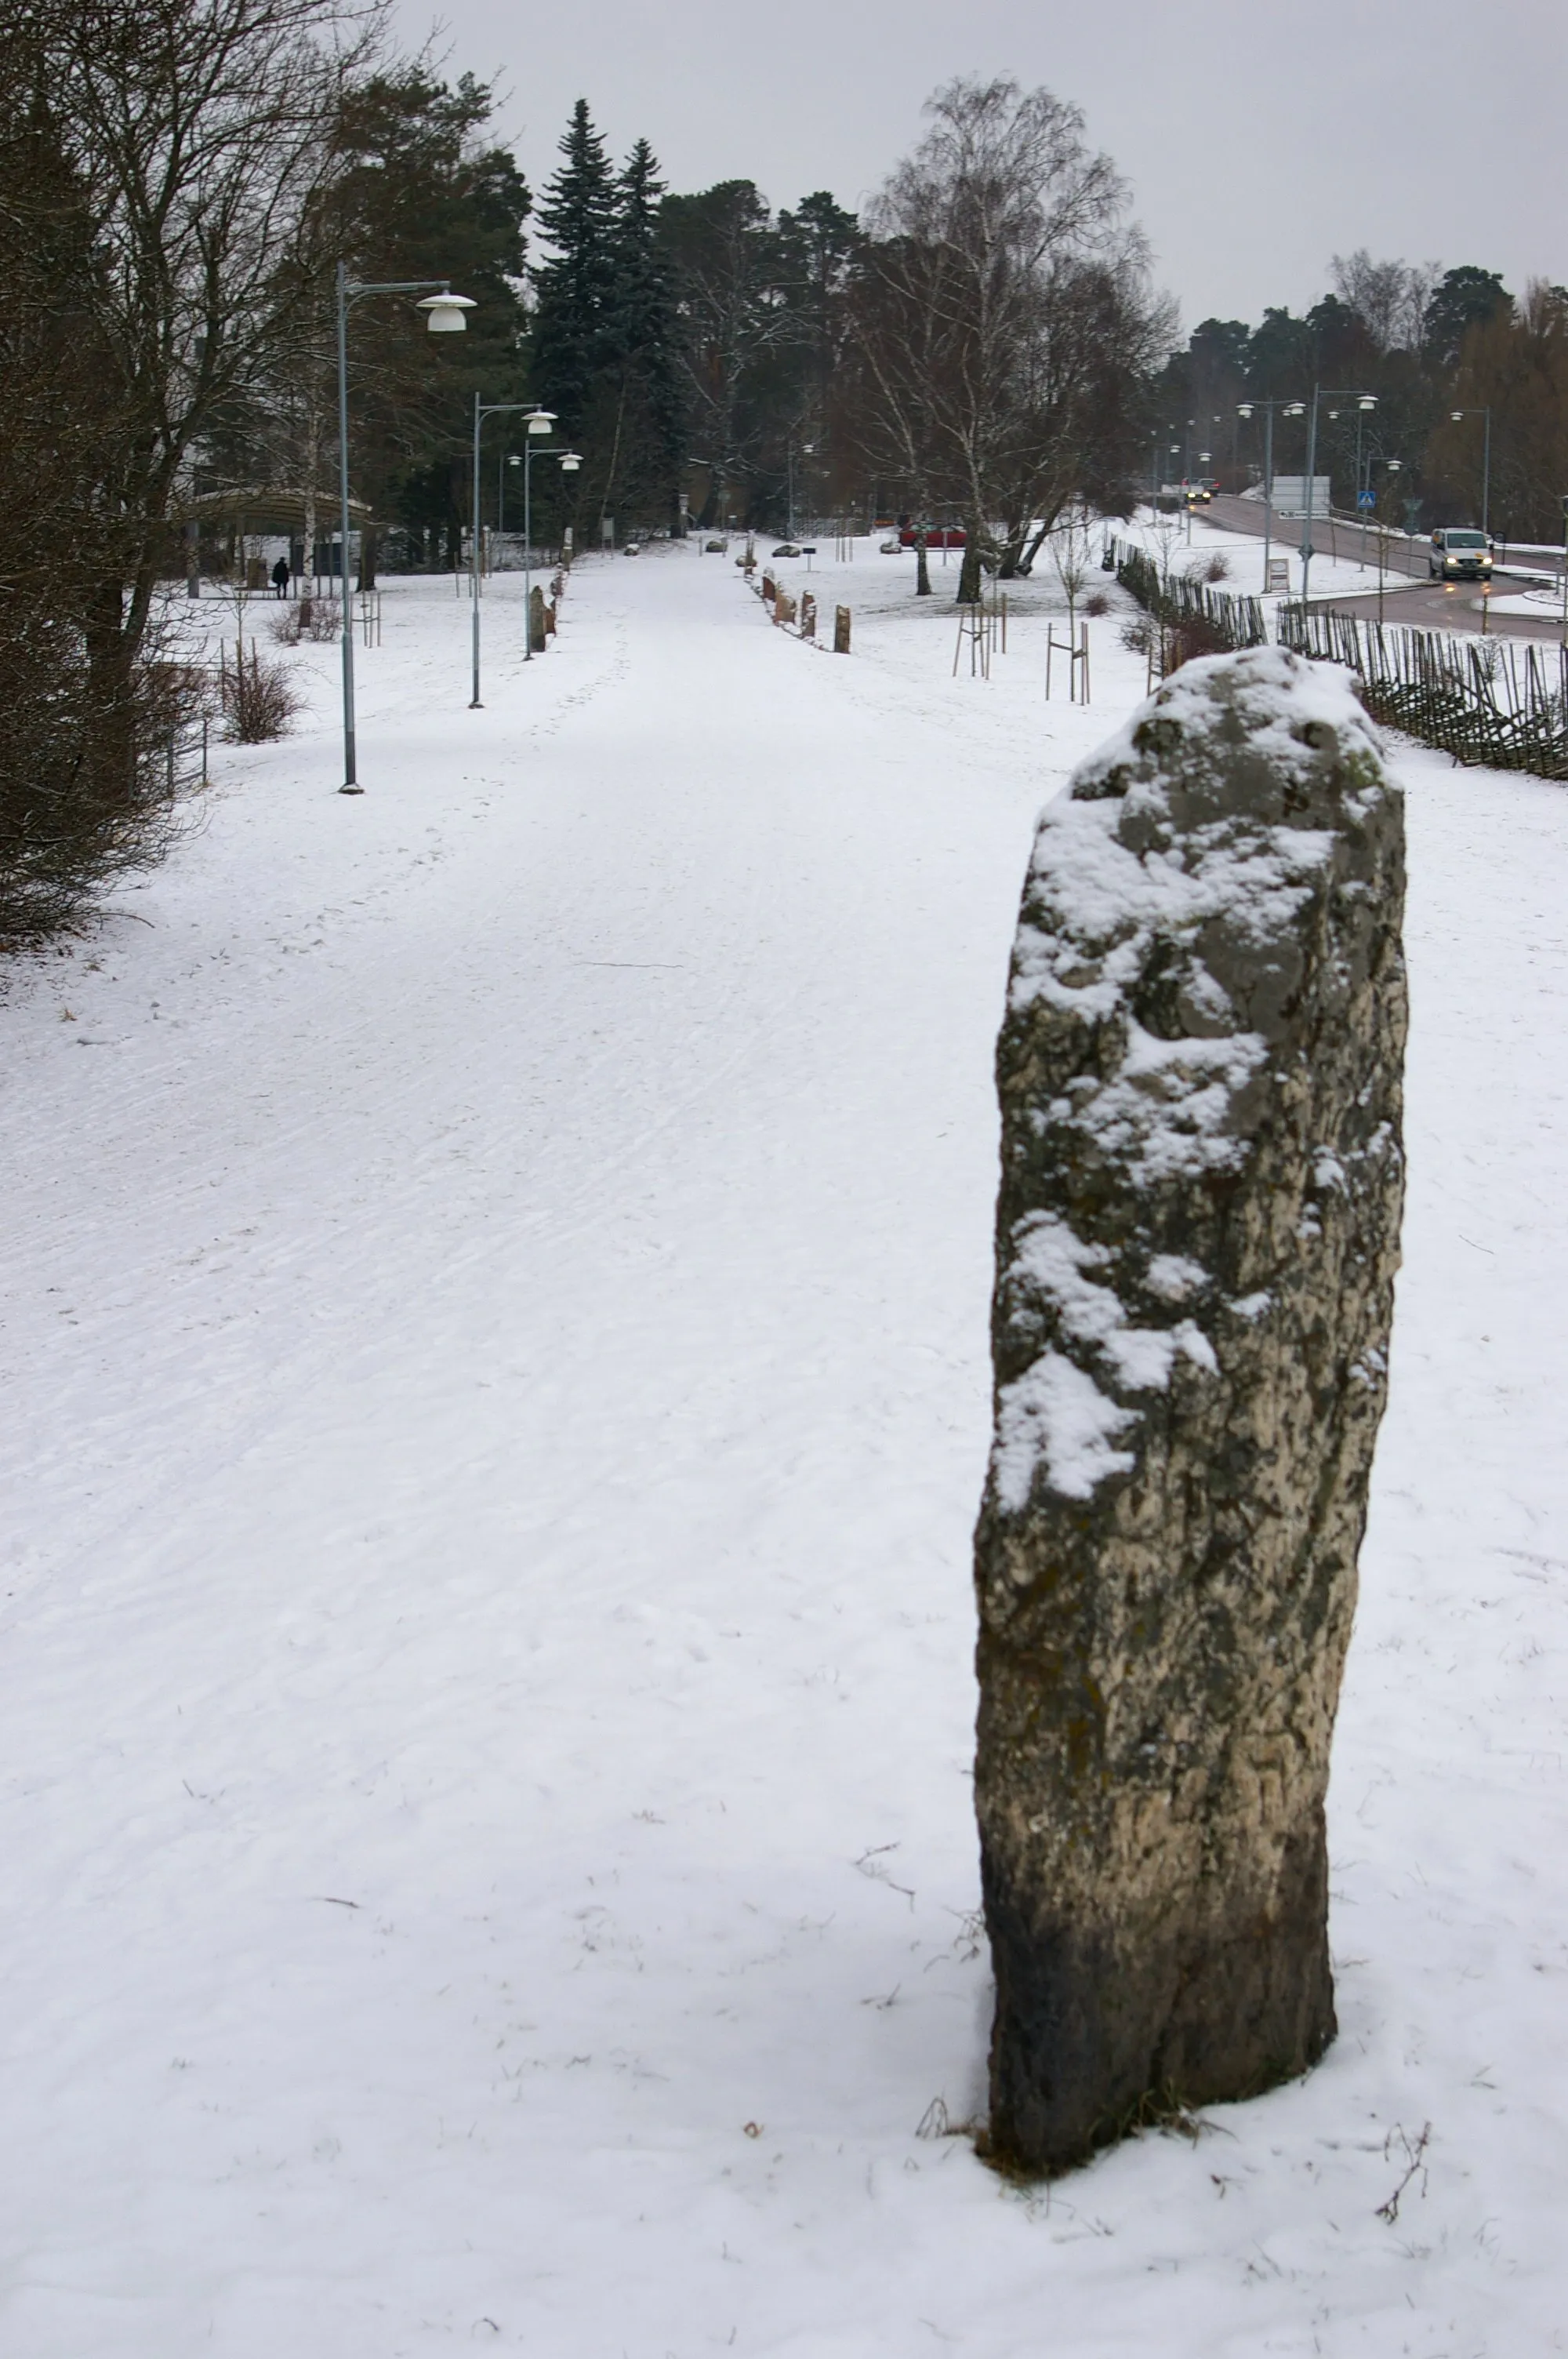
496,1396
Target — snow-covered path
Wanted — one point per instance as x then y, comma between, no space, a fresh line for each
496,1392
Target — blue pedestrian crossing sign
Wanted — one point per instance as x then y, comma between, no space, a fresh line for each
1366,499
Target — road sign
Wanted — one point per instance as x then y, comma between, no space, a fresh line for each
1366,499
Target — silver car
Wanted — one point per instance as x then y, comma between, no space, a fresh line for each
1459,556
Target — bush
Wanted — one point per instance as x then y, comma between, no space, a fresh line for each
1137,632
1193,635
1096,603
321,619
260,698
1218,567
93,770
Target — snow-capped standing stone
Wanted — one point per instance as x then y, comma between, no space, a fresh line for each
1198,1235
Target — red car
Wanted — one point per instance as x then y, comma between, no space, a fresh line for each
954,537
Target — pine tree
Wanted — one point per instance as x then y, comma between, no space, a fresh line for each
423,194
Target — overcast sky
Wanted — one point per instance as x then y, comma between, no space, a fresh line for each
1259,139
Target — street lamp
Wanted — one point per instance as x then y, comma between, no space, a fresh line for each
539,423
1457,415
1267,404
481,410
1364,402
1392,467
446,314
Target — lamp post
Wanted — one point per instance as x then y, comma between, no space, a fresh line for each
539,422
1457,415
1392,467
507,458
1364,402
444,315
1268,405
481,410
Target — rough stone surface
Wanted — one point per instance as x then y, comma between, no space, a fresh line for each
1198,1235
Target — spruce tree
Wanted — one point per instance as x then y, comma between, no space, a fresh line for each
651,406
576,307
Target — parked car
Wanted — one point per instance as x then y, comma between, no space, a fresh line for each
954,536
787,548
1459,555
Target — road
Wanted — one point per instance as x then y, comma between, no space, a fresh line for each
1416,598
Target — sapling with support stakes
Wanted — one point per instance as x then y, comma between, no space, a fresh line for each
1077,662
1070,556
984,624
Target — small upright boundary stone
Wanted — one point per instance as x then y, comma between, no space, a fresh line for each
1200,1074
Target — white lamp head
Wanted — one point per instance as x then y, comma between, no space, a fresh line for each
1366,402
541,421
446,314
1244,409
570,461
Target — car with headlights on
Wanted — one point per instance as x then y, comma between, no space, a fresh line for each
1459,556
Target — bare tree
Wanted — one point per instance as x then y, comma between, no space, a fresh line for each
156,165
197,135
1070,556
1389,299
1003,316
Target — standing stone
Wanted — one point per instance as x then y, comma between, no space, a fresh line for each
1198,1235
537,642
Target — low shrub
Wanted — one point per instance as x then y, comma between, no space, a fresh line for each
321,619
260,698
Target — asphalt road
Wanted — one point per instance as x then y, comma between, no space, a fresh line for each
1411,595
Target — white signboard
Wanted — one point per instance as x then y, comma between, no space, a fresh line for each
1289,496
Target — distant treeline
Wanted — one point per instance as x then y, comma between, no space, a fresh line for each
1425,342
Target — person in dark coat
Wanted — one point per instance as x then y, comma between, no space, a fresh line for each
280,577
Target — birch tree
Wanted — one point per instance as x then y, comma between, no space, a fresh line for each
1005,319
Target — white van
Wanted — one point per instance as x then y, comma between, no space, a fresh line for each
1459,554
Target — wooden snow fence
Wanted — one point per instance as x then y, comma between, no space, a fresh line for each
1492,702
1201,621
